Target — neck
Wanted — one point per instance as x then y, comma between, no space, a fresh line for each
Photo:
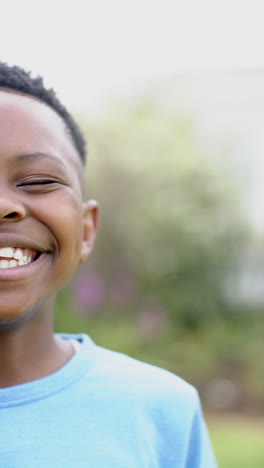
31,351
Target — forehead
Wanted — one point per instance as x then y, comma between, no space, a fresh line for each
27,125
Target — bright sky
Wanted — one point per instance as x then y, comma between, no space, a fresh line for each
89,49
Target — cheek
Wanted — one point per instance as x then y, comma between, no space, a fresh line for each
62,216
68,230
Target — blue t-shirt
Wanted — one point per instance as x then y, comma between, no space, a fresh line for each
103,410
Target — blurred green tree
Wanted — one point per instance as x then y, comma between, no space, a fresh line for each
171,224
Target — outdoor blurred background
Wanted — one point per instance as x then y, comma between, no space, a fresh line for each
171,99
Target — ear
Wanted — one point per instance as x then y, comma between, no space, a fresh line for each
90,225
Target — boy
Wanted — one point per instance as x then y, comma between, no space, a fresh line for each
65,402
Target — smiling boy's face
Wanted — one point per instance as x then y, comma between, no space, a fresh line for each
45,228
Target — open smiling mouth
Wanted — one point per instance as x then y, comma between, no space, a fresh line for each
12,257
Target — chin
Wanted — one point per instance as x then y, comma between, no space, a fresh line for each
12,320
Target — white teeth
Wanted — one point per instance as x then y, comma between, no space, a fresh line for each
13,263
18,255
11,257
7,252
4,263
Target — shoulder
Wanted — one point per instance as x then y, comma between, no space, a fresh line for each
154,396
139,378
120,372
151,407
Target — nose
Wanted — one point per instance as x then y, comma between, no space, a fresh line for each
11,209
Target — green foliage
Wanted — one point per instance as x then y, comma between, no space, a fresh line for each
169,215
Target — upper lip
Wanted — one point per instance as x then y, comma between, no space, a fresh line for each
20,241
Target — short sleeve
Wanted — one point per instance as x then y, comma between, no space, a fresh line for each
199,450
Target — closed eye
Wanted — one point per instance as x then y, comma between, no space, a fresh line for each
37,182
40,182
38,185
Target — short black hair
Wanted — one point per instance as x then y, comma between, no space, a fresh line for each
17,79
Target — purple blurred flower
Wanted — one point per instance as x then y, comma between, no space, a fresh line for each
89,290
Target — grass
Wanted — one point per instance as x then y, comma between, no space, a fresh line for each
238,442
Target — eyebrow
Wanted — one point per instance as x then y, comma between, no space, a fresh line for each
39,155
